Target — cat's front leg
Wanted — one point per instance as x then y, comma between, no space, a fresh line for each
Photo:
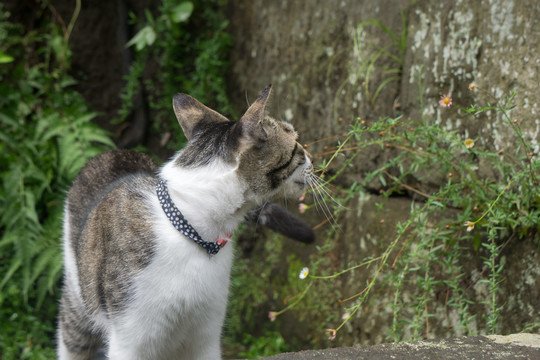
205,342
203,345
120,349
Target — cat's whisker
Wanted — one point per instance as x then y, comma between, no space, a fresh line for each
319,192
247,100
316,201
327,211
324,192
286,205
260,212
322,188
328,214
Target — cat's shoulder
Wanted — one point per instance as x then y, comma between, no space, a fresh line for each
113,164
112,170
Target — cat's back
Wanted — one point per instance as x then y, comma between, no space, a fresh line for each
98,177
107,228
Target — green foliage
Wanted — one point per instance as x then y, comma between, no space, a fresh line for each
26,332
270,344
171,14
46,136
477,210
188,43
244,335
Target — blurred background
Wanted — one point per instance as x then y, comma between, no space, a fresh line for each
419,233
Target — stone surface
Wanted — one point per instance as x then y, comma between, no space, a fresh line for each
318,60
307,52
490,43
518,346
317,57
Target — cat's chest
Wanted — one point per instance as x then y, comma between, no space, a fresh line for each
180,268
182,275
181,289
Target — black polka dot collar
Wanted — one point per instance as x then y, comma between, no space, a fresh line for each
180,223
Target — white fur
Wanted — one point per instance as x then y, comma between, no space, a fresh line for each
70,264
180,299
212,198
71,277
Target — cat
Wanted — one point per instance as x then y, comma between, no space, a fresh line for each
146,260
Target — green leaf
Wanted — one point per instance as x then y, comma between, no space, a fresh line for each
5,58
181,12
55,270
145,37
382,179
8,120
15,265
58,45
67,81
44,259
49,126
8,238
84,118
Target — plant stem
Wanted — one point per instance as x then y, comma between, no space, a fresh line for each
498,197
291,305
346,270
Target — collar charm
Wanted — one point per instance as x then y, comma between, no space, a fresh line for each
181,224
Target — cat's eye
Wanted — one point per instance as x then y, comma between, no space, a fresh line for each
289,129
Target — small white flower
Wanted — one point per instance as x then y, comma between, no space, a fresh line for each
331,334
469,225
304,273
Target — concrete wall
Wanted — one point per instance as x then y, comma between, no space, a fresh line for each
306,49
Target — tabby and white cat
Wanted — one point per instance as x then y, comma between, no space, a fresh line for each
146,265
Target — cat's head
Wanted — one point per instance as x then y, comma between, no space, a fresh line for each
263,151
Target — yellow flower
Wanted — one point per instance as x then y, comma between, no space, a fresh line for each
469,143
304,273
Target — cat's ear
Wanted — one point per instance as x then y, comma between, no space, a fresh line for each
252,121
192,114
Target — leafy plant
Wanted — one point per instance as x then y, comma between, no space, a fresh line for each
467,212
171,14
46,136
188,42
269,344
244,336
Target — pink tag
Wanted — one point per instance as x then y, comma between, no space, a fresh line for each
222,242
